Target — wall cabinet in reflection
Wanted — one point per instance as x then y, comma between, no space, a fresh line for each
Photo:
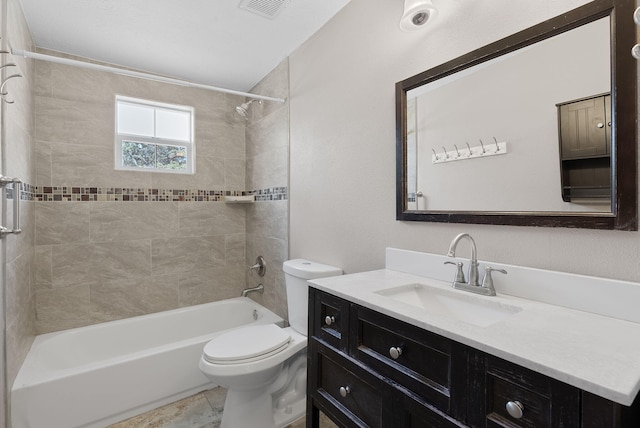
585,148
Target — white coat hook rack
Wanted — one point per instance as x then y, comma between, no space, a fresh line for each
4,181
481,151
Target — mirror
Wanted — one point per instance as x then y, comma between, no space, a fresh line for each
480,140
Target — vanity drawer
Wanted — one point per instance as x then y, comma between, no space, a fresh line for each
352,395
413,357
329,319
542,401
417,414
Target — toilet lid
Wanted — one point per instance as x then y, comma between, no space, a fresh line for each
246,344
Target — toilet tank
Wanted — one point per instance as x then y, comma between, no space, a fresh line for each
296,274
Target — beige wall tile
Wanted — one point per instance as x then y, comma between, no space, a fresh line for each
268,218
43,163
268,170
219,139
68,304
76,264
234,174
235,249
118,221
17,286
211,284
43,267
74,122
62,222
186,254
210,218
112,300
20,334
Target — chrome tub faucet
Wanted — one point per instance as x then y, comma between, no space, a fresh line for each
257,289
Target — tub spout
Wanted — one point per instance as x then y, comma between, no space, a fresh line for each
258,289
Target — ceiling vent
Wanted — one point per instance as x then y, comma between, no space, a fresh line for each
266,8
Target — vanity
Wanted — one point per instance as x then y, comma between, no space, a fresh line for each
399,347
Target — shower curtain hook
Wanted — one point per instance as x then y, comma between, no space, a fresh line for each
2,92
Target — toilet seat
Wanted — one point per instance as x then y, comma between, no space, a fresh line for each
246,344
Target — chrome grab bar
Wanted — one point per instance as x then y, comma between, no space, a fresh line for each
16,205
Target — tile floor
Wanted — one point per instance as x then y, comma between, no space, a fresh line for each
203,410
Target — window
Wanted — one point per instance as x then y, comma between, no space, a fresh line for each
153,136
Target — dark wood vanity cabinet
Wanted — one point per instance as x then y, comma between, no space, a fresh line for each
370,370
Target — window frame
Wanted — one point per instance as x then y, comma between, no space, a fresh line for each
157,141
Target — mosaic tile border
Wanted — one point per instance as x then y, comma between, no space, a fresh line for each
127,194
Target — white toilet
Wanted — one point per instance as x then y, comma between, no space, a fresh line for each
264,367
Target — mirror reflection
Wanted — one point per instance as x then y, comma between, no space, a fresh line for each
511,106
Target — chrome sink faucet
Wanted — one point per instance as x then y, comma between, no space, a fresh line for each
473,285
473,267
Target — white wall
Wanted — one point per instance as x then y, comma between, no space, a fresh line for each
343,143
514,99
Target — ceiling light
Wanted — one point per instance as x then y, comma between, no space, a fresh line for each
416,14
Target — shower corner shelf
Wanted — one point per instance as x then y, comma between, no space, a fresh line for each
246,199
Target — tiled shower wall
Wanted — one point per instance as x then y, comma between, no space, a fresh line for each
18,250
268,168
103,257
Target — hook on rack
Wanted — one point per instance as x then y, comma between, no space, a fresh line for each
3,92
481,151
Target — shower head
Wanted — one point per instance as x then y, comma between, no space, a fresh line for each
243,109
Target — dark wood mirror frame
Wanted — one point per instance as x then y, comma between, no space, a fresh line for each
624,168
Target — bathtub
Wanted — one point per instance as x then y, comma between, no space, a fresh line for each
97,375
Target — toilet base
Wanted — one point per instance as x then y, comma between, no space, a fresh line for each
252,409
248,409
275,405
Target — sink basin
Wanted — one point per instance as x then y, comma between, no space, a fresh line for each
459,305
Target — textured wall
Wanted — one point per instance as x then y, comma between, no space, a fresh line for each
268,168
114,244
343,143
17,141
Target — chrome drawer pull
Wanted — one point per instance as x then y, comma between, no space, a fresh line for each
395,352
345,390
515,409
329,320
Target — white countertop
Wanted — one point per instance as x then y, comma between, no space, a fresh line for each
597,353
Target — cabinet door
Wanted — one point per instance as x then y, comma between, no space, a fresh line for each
584,128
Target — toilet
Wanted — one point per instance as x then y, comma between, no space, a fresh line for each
264,367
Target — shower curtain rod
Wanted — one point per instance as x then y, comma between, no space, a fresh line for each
138,74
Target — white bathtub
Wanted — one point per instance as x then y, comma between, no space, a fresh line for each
97,375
